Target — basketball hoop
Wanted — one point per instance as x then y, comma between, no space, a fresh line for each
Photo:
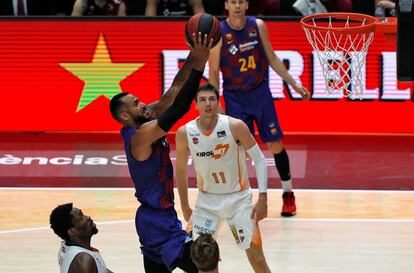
341,41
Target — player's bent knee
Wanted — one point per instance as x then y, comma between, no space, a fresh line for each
275,146
256,241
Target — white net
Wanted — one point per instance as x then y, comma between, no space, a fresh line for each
342,54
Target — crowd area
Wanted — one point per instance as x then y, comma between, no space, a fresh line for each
189,7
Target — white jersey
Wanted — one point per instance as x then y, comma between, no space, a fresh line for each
68,253
220,163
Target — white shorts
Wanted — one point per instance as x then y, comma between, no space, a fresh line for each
236,208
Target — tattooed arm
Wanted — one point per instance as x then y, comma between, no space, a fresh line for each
157,108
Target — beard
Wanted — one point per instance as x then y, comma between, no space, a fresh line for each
141,120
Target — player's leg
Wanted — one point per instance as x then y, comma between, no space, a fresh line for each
185,262
283,167
244,229
255,252
153,267
162,238
205,215
272,134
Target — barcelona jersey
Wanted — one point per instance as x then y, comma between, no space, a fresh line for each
243,60
160,232
153,177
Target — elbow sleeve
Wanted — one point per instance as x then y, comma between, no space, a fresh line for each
260,165
181,103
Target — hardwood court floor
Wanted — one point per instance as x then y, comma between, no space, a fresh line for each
334,231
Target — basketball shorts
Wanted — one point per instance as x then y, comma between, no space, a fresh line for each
255,106
212,209
160,233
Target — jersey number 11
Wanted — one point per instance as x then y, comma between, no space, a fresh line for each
222,178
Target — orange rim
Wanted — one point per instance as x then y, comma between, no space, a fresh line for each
369,26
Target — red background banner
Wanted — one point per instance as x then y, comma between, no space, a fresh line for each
41,92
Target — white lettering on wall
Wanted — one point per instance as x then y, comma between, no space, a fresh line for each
172,59
119,160
389,79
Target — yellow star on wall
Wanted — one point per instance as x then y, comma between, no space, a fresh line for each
101,76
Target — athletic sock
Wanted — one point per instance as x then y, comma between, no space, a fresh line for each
283,168
287,185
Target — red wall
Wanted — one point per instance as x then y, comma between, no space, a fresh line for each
38,93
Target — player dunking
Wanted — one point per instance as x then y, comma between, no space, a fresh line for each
163,242
217,144
244,55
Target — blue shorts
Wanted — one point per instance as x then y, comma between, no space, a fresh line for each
255,105
160,234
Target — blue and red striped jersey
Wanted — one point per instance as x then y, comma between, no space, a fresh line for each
243,60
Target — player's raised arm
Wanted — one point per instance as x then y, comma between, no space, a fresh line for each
242,134
181,171
158,107
214,33
153,130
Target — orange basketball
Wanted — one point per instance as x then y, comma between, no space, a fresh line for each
204,23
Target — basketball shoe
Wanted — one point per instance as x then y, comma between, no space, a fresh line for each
289,204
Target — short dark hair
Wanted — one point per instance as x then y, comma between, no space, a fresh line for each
116,104
61,220
207,87
205,252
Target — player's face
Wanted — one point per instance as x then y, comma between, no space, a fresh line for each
134,110
236,8
207,103
83,224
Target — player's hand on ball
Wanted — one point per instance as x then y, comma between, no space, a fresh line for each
202,46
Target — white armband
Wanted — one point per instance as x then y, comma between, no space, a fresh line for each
260,165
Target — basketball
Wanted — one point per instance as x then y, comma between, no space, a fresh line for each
204,23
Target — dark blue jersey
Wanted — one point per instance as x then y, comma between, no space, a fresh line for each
160,232
243,61
153,177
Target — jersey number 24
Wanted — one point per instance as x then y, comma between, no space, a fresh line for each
247,64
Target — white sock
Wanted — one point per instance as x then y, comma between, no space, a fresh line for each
287,185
